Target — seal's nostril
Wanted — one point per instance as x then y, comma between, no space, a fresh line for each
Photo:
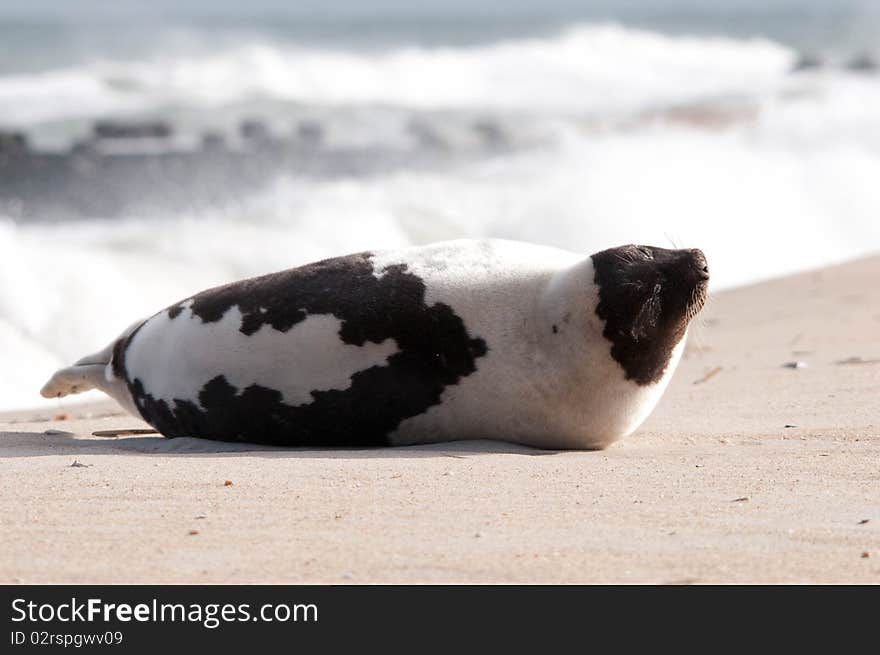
705,269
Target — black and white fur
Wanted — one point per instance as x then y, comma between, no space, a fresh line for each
465,339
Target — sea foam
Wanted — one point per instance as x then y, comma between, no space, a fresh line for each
596,68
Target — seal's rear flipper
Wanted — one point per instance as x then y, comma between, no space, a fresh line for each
88,373
73,379
99,371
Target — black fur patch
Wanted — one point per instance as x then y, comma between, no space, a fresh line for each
435,351
118,357
647,297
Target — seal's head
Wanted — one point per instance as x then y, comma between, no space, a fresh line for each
647,298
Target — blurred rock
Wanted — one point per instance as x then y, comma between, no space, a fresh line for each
807,62
132,130
13,143
863,63
310,133
253,130
425,135
213,140
492,134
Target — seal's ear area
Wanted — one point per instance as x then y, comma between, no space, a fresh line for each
630,286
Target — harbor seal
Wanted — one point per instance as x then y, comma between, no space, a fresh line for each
463,339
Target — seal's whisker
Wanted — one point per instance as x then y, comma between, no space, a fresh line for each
696,334
671,240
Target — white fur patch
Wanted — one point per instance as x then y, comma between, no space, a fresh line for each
174,358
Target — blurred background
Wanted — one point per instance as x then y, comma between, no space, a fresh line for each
149,149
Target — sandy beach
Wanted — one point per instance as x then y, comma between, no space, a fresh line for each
748,471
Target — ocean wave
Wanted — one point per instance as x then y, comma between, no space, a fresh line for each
757,209
584,69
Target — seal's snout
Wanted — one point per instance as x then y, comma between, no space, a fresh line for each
698,264
688,271
686,267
